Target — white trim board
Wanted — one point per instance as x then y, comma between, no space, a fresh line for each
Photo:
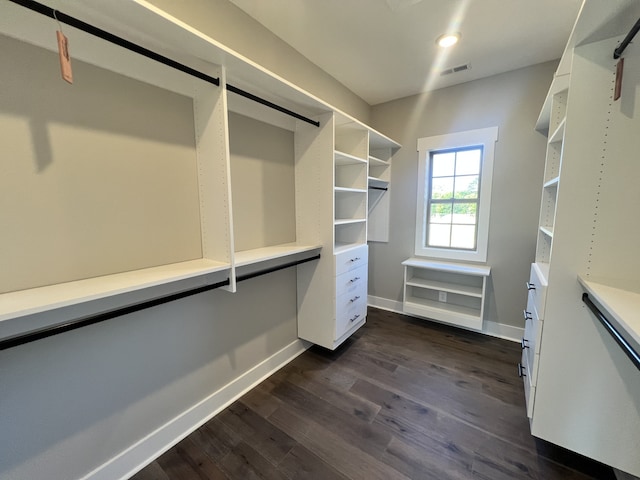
493,329
139,455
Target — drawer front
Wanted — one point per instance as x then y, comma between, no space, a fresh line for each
538,290
352,259
531,339
349,282
350,309
529,388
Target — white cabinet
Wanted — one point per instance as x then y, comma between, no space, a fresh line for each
453,293
332,296
583,392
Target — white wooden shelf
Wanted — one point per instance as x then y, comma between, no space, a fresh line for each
48,298
342,158
452,267
449,292
376,162
257,255
348,221
435,306
349,190
377,182
445,287
552,182
621,303
548,231
341,247
558,134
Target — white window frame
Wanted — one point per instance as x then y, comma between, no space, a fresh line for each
485,137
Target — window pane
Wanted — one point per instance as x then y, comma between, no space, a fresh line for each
442,164
463,236
440,213
467,186
442,188
439,235
468,162
465,213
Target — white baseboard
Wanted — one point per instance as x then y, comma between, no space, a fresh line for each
384,304
142,453
494,329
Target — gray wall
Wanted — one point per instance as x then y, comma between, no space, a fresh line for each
229,25
72,402
512,101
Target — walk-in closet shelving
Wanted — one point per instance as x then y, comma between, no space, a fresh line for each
381,151
133,252
316,203
578,378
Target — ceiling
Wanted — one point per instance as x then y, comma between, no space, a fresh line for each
385,49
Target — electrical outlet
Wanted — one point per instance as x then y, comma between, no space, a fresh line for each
442,296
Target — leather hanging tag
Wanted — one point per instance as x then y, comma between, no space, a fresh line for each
618,88
65,60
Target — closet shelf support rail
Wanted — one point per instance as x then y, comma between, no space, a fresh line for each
267,103
247,276
109,37
624,345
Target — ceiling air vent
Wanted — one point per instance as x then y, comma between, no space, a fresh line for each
459,68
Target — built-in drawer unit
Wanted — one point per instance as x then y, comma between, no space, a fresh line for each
351,309
537,286
349,282
351,259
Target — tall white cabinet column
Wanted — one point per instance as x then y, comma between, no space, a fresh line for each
583,392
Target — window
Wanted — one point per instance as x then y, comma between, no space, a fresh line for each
454,193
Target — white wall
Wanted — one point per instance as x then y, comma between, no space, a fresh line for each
228,24
511,101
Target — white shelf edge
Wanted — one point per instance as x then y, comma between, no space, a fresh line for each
377,162
552,182
452,267
435,306
348,221
257,255
445,287
51,297
558,133
621,302
548,231
349,190
344,247
342,158
377,182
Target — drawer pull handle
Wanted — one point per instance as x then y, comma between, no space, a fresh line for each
527,315
355,279
355,317
531,286
524,343
354,259
521,371
354,299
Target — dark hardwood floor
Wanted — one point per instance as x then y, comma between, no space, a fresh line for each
402,399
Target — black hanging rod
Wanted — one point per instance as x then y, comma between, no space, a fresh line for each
109,37
626,348
46,332
102,317
627,40
242,278
379,188
269,104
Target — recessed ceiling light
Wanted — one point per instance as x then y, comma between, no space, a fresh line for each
448,39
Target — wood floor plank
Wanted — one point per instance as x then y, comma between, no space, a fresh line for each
402,399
